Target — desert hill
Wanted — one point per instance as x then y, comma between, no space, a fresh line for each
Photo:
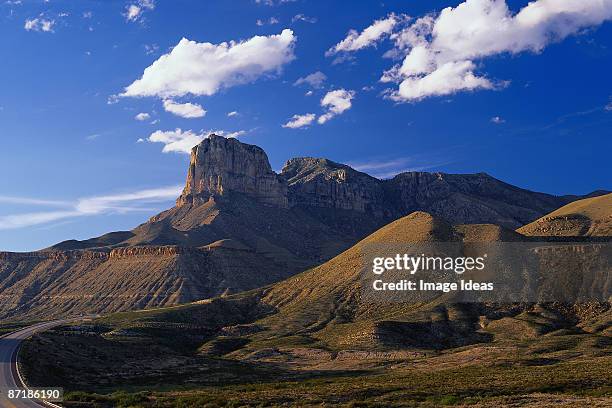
279,224
586,217
319,323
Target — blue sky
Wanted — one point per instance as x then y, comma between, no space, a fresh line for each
523,94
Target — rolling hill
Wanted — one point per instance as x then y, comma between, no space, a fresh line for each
318,335
586,217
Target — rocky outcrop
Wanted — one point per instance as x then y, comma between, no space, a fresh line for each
467,198
323,183
221,165
459,198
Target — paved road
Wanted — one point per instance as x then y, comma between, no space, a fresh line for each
9,345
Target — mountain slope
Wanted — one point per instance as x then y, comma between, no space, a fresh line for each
586,217
318,324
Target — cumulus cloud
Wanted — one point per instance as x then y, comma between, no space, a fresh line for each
355,40
441,51
232,114
179,141
315,80
185,110
498,120
298,121
204,68
336,102
142,116
87,206
446,79
39,24
134,11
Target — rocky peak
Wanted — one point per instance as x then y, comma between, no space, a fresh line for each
304,169
220,165
315,182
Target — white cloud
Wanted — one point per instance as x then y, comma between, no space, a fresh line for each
229,135
273,2
270,21
355,41
316,80
304,18
386,168
142,116
309,93
498,120
185,110
444,80
441,51
179,141
33,201
133,12
205,68
88,206
117,202
298,121
151,48
336,102
87,14
232,114
23,220
39,24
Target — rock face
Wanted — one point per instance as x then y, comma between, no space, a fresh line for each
467,198
324,183
220,165
316,184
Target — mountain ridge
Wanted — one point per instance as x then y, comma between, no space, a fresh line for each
275,224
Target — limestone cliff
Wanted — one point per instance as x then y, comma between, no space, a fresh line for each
222,165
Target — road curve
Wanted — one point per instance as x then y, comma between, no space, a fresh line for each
9,379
